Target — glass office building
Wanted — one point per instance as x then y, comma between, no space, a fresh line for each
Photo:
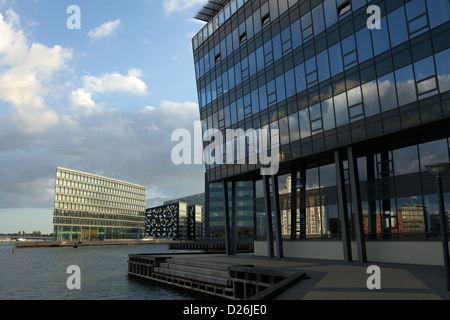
89,207
361,109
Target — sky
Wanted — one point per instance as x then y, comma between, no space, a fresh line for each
104,99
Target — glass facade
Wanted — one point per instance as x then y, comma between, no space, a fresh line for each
90,207
315,71
244,209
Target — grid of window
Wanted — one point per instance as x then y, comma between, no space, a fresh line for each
411,210
82,199
343,55
384,69
244,208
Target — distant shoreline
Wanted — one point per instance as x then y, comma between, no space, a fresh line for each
75,244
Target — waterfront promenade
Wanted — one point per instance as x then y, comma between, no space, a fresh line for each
336,280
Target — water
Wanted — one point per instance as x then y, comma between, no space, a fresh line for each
40,274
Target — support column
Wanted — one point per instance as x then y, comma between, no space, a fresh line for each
371,192
357,208
342,203
302,203
226,213
206,224
233,220
268,207
276,202
254,211
293,203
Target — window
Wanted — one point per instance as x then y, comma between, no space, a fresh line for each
311,72
283,6
307,30
247,106
439,12
227,117
290,83
293,127
252,63
271,93
406,160
349,52
265,20
388,96
245,69
242,38
323,65
268,54
260,58
286,40
318,20
255,102
225,82
284,130
356,4
398,30
249,26
273,4
380,38
340,105
354,99
316,119
344,7
281,90
305,129
231,78
425,77
262,97
330,12
296,34
406,87
233,113
300,78
364,44
417,17
238,73
277,49
443,68
336,59
328,115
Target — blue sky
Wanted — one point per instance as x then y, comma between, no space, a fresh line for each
103,99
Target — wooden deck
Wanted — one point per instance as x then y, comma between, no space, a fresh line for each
218,280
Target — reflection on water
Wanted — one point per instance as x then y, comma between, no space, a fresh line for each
40,274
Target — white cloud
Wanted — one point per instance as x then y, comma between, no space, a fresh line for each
27,70
105,30
180,5
115,82
82,102
174,108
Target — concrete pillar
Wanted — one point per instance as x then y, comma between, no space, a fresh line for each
276,202
233,219
293,203
269,227
342,204
226,211
357,208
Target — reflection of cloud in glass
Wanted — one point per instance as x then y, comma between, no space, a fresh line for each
444,82
386,89
433,152
406,92
406,160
